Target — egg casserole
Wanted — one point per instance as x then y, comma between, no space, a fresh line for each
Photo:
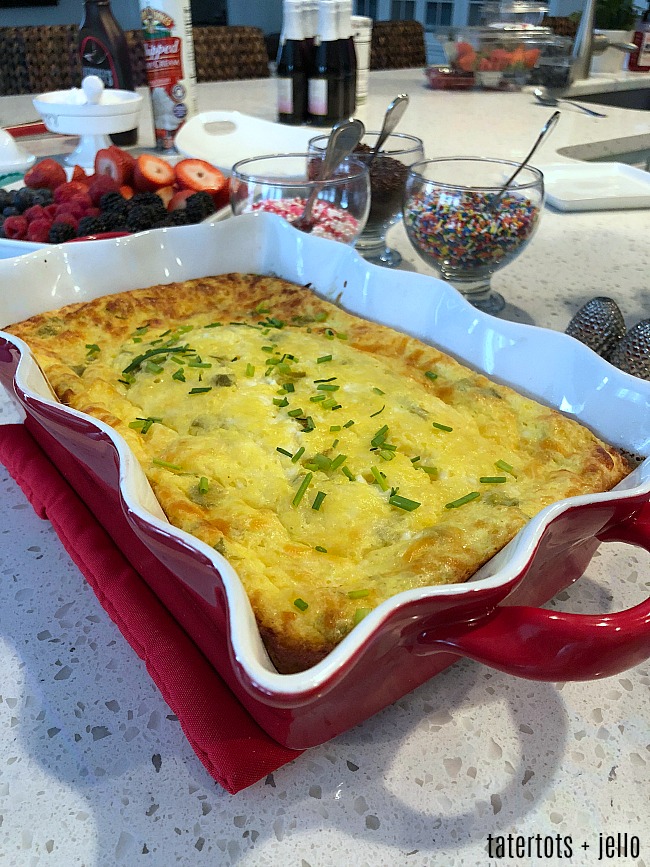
334,462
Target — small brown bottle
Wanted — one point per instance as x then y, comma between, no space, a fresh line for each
104,52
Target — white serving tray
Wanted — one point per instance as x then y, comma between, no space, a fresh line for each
224,137
596,186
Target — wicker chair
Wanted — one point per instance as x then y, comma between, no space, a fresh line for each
397,45
228,53
561,26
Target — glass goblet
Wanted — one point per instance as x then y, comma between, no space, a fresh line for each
388,173
462,222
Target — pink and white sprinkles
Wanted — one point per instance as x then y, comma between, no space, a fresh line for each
329,222
466,229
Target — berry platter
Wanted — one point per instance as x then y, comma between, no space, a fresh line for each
123,195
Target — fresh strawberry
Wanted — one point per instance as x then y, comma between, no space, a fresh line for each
166,194
39,230
127,191
178,200
15,228
151,173
78,174
108,163
222,197
127,160
101,184
199,175
45,174
65,192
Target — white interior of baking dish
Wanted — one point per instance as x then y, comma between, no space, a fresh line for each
547,365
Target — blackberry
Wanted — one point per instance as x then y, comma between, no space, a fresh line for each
145,199
24,199
43,196
141,217
88,226
179,217
199,206
112,201
60,232
113,221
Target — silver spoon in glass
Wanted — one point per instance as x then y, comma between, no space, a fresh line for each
546,129
543,96
343,139
394,114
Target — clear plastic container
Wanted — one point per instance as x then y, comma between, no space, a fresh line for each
516,13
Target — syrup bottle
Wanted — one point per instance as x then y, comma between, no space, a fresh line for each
104,52
291,66
326,80
639,60
348,57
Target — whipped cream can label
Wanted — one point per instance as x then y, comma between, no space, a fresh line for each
169,57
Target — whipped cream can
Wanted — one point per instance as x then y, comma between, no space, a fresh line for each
171,71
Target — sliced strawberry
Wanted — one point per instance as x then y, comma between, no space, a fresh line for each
78,174
45,174
101,184
67,191
107,163
127,160
178,200
199,175
166,194
127,191
150,173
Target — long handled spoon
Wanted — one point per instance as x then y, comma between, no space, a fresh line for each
546,129
546,98
343,139
394,114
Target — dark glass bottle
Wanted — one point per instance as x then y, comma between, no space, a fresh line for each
326,82
292,66
104,52
348,57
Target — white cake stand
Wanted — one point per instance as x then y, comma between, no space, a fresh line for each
92,113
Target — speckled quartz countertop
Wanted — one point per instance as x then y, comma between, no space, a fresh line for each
94,769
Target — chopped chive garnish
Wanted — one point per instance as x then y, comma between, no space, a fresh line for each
298,455
379,478
300,493
462,500
137,339
179,361
372,415
438,426
327,387
179,375
202,364
415,459
404,503
389,447
261,308
289,387
330,403
336,406
347,472
166,464
319,462
320,317
378,391
317,397
502,465
200,390
330,379
431,375
379,437
280,401
358,594
152,367
284,452
359,614
320,549
308,424
341,335
430,471
492,480
250,370
92,348
338,462
386,454
294,413
329,334
300,604
334,428
268,348
137,361
318,500
335,443
213,325
128,379
204,485
348,423
323,358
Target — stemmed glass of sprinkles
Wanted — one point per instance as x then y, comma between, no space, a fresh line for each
468,216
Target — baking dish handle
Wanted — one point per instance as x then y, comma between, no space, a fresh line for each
548,645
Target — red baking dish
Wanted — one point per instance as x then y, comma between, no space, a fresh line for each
493,618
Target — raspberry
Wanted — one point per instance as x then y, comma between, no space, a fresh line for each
67,191
61,232
101,184
39,230
46,173
36,212
15,228
68,219
50,210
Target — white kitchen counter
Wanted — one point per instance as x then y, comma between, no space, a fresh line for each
94,769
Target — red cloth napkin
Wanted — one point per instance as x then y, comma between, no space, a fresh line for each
235,751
